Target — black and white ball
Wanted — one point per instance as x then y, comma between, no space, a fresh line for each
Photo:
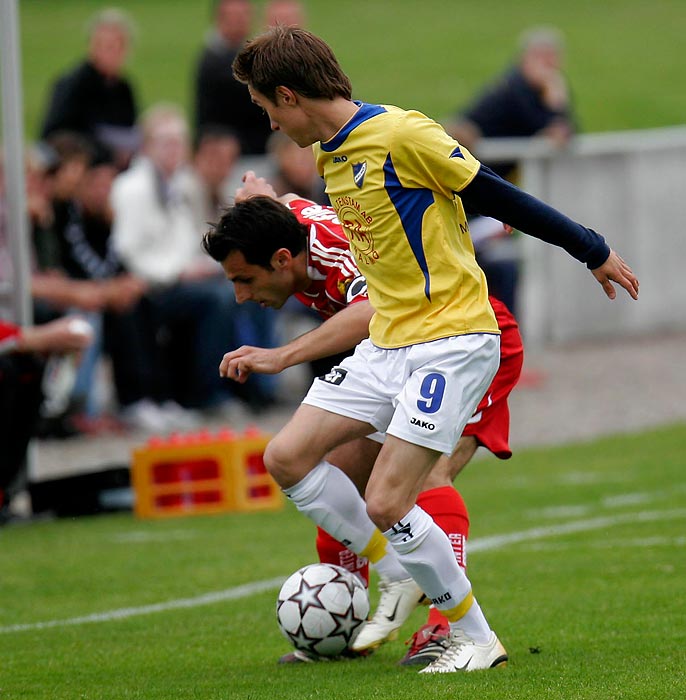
320,608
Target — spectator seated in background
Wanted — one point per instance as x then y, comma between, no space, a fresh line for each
288,13
211,174
294,169
531,99
53,292
156,235
96,99
54,172
216,153
23,352
82,229
220,100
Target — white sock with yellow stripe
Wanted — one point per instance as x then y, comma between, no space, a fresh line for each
424,550
328,497
384,559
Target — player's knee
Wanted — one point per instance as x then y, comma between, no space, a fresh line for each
287,462
278,463
383,510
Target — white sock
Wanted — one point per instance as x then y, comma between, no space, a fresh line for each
474,624
330,499
389,566
424,550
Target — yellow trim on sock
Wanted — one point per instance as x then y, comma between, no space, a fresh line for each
459,611
376,547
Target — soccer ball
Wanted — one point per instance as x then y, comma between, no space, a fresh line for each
320,608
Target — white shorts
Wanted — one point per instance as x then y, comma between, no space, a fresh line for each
424,393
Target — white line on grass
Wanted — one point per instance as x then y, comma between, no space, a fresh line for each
243,591
481,544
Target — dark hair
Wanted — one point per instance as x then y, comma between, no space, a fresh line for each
211,133
294,58
70,145
257,227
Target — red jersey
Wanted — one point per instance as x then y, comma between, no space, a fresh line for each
336,281
9,334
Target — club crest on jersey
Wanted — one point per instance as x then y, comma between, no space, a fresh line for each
354,288
359,171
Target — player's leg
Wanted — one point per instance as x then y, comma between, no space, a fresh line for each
295,458
446,506
356,459
488,427
345,404
448,378
425,551
422,548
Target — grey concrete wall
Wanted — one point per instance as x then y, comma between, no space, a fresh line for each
629,186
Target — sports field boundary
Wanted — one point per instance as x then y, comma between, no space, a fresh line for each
481,544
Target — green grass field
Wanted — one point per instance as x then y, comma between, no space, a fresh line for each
577,556
624,56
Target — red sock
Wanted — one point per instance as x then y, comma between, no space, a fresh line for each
436,617
446,507
331,551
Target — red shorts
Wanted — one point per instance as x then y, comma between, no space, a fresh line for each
490,425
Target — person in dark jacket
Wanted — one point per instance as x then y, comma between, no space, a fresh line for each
95,98
220,100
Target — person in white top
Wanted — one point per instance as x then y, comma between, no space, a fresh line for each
155,233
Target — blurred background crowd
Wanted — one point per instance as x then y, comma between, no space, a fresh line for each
118,200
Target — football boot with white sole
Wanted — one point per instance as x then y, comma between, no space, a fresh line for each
398,600
464,654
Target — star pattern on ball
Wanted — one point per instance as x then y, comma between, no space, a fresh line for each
307,596
346,624
302,641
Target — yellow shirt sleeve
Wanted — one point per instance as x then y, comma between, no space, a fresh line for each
425,156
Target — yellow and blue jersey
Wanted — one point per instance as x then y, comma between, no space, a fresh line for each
393,177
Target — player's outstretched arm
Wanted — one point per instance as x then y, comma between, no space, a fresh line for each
341,332
490,195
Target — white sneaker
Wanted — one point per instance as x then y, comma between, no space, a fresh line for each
464,654
179,418
398,600
146,416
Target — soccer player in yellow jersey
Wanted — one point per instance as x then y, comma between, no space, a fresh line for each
399,185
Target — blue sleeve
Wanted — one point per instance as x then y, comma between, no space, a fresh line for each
490,195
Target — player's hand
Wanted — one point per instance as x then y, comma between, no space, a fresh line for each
614,269
241,363
253,185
